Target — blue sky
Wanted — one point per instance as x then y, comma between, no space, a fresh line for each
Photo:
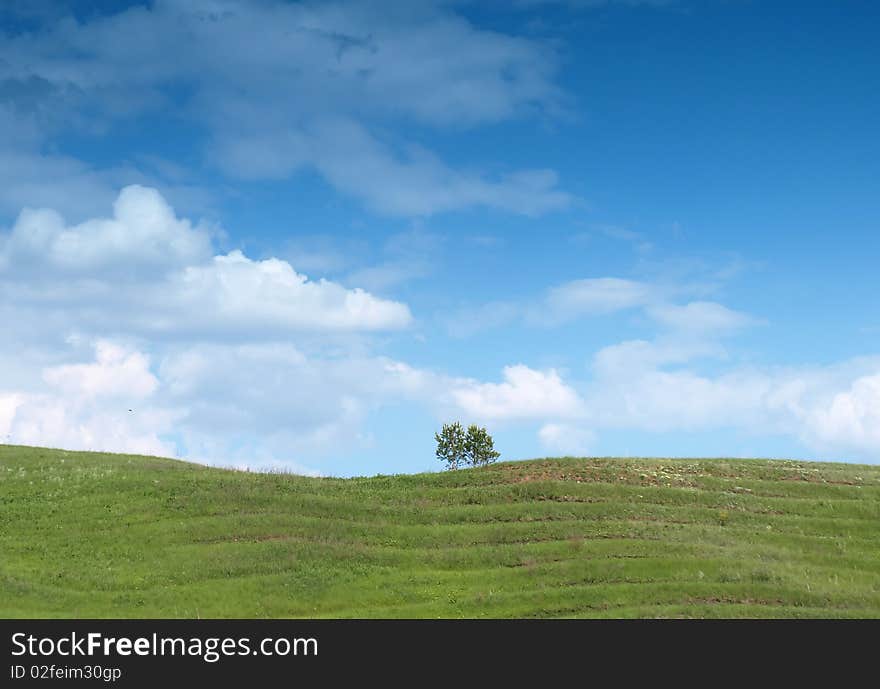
303,235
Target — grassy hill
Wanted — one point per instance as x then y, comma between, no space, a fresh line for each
100,535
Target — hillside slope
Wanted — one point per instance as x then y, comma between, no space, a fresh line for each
99,535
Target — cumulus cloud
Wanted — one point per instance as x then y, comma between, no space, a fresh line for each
193,350
658,400
9,404
116,372
155,273
850,419
225,377
526,393
234,290
259,405
266,403
656,386
105,405
275,404
653,386
293,390
142,231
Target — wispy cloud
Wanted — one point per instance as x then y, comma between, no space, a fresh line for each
308,86
602,296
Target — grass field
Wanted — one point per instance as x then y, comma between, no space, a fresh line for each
100,535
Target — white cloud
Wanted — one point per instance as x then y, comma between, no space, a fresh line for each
831,409
525,394
236,291
700,316
308,85
155,274
105,405
634,356
262,405
418,183
561,304
681,401
850,420
648,385
251,361
566,439
592,296
654,386
144,285
51,421
267,387
143,230
146,273
9,404
115,373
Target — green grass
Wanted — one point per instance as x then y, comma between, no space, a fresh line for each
101,535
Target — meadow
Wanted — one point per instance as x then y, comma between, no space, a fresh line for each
103,535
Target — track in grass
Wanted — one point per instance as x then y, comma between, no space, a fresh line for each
101,535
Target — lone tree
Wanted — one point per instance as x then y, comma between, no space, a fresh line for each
458,448
479,448
451,444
